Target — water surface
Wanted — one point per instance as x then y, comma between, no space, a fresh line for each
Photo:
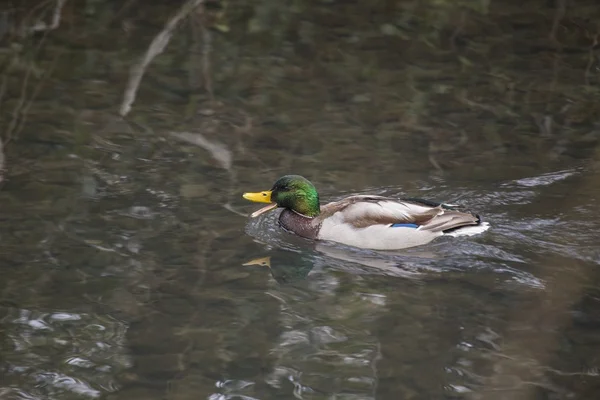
123,239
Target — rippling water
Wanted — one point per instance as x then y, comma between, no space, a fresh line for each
61,355
451,318
130,270
476,280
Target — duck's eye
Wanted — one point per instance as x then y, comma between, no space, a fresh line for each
264,195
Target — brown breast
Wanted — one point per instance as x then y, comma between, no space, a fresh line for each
299,224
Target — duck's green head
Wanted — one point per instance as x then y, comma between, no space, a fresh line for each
291,191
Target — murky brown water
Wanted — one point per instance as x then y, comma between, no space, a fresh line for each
122,243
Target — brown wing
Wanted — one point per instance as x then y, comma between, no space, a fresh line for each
453,217
363,211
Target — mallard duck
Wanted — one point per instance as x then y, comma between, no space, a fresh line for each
365,221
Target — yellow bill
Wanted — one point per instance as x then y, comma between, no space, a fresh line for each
261,197
262,261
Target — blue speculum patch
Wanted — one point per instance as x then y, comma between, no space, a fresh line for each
404,226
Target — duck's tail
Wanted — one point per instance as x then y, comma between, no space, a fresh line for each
469,230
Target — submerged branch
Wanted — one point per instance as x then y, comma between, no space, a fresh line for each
221,154
591,58
558,16
158,45
218,150
206,47
57,13
55,23
2,158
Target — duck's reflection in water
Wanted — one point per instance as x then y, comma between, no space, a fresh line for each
288,266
